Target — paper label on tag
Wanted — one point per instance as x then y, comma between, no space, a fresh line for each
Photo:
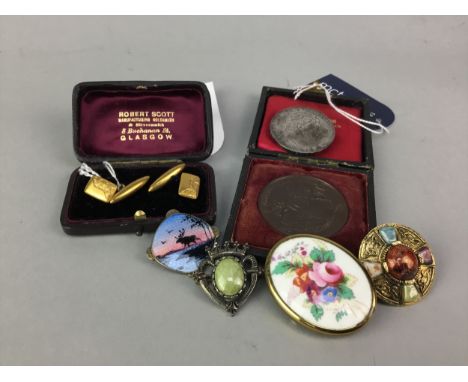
218,131
378,112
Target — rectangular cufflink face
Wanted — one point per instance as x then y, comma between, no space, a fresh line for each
101,189
189,186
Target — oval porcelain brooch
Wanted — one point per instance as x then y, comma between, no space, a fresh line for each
319,284
399,262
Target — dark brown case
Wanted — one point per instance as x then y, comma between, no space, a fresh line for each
86,216
365,167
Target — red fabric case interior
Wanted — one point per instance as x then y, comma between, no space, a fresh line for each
132,122
250,227
347,145
83,207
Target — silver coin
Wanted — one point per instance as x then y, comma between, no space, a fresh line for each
302,130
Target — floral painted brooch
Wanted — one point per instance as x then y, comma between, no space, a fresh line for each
315,281
319,284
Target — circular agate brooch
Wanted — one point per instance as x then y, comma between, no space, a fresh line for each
399,262
319,284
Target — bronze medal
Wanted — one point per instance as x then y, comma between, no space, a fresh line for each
303,204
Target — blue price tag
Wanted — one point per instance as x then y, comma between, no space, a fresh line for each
378,112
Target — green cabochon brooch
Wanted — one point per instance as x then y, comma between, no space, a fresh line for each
228,275
186,244
319,284
315,281
400,263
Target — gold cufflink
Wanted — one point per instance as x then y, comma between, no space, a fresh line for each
101,189
189,186
129,189
166,177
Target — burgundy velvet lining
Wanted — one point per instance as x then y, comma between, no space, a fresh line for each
347,145
172,121
250,227
85,208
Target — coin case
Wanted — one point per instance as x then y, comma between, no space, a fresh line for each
349,170
142,129
351,146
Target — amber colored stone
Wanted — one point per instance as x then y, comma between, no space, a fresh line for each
402,263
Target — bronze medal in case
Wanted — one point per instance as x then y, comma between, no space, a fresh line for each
301,203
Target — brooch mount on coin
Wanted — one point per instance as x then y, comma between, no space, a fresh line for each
400,263
228,275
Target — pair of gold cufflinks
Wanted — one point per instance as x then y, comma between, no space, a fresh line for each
108,192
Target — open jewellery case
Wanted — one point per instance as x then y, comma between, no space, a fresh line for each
347,164
142,128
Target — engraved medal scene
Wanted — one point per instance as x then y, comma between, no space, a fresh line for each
300,203
320,282
399,262
302,130
180,242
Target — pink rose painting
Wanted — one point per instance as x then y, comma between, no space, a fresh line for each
319,278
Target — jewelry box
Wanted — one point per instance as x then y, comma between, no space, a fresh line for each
141,129
347,165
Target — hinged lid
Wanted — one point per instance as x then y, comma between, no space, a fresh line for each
352,147
145,121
